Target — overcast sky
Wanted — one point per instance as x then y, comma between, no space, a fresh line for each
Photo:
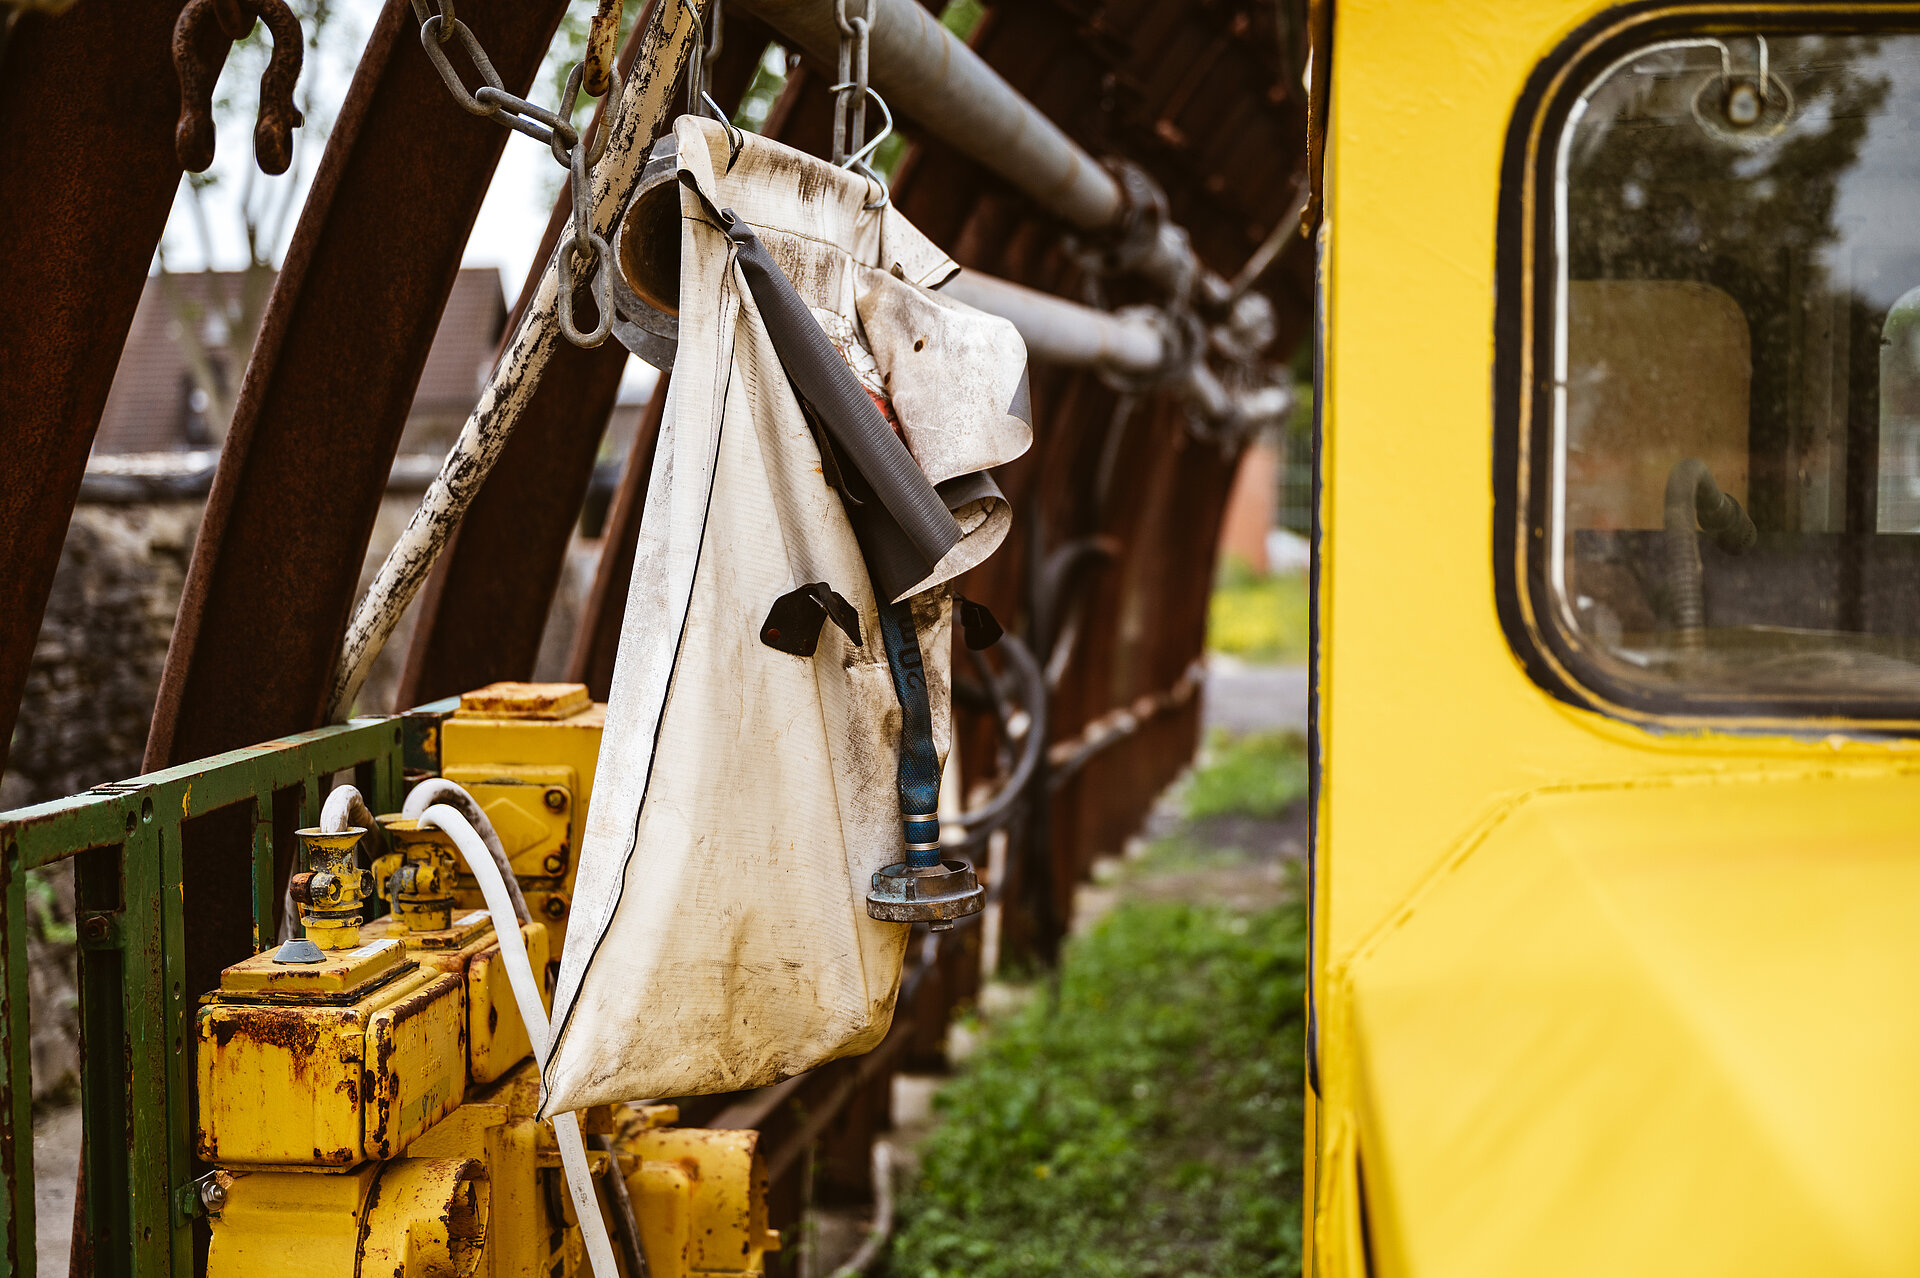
511,220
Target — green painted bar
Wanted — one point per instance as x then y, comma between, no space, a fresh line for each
144,974
16,1101
136,1016
265,911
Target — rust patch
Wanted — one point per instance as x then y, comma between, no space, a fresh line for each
289,1029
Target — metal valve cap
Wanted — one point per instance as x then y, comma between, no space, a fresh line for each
933,894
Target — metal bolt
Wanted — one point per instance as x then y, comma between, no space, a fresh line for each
556,907
556,800
213,1194
95,927
555,863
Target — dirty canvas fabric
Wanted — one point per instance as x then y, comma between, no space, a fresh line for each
746,793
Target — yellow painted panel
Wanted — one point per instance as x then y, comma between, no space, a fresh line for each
1560,1032
518,800
726,1201
476,749
1666,1029
338,972
289,1224
497,1036
416,1063
662,1195
427,1218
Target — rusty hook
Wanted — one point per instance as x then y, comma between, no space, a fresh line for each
193,137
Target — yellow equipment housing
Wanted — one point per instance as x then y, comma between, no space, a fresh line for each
1599,986
527,753
470,949
331,1063
373,1112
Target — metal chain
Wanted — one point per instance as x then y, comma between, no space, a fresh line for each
852,149
587,249
850,92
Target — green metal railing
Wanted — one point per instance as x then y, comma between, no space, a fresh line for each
129,842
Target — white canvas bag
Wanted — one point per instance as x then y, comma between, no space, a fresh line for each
746,795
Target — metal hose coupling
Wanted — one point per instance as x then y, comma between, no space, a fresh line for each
1692,497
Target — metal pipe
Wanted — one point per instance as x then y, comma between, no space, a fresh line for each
1131,342
1135,343
926,72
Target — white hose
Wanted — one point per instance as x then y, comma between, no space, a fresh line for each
440,790
526,993
343,810
882,1227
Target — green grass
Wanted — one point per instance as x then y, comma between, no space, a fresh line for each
1259,619
1142,1115
1143,1120
1257,775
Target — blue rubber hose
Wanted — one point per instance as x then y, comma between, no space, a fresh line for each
919,762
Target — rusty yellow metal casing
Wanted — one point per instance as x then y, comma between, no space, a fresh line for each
527,752
427,1218
326,1065
408,1217
701,1197
288,1223
497,1037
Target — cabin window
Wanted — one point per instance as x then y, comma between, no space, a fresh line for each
1726,392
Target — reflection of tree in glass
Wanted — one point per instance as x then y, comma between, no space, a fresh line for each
1654,195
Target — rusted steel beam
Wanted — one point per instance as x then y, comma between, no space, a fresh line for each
596,641
484,609
87,107
328,388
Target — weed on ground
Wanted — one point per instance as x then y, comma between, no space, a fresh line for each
1259,618
1140,1115
1257,775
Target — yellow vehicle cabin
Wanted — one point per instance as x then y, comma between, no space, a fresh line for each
1616,967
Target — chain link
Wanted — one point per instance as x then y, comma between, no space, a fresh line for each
586,251
850,93
852,149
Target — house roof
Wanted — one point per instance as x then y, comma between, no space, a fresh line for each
149,408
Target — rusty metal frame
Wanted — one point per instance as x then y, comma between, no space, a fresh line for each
304,466
87,107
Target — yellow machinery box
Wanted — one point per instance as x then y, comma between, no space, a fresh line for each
496,1035
327,1064
527,753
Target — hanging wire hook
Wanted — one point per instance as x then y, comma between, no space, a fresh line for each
865,153
850,98
858,161
735,138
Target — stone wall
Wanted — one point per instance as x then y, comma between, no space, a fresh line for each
83,721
